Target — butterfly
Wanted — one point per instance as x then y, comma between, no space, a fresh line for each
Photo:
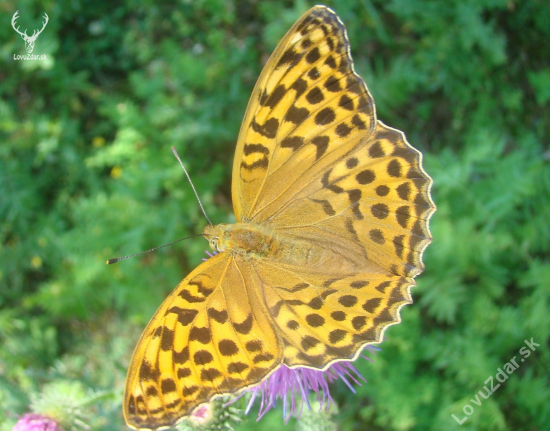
332,210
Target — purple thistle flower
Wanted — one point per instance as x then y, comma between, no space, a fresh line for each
210,254
202,415
293,386
36,422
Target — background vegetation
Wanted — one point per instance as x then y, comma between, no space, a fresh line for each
86,174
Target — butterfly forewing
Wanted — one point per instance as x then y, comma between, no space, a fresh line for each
211,336
307,102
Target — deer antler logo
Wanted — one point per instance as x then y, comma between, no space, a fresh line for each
29,40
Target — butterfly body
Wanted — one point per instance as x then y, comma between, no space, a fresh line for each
243,239
261,242
332,209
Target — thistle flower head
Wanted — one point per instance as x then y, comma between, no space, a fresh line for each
202,414
36,422
294,386
67,402
212,416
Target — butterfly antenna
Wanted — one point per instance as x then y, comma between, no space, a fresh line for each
191,182
116,259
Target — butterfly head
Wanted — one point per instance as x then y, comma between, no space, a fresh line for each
215,235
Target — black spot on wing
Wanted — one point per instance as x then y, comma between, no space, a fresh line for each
167,385
365,177
167,339
313,74
377,236
404,191
380,211
245,327
382,190
262,163
325,181
202,335
268,129
357,122
332,84
371,305
346,103
218,316
399,245
237,367
289,59
313,55
327,207
255,148
315,96
339,316
296,115
300,85
353,85
185,315
376,151
343,130
336,335
352,162
148,372
294,142
321,142
325,116
274,98
202,357
180,357
394,168
330,62
228,347
254,346
403,215
351,229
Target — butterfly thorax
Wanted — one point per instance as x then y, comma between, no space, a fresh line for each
243,238
259,241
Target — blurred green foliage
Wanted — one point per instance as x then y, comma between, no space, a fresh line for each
86,174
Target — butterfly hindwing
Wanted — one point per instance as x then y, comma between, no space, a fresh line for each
325,315
211,336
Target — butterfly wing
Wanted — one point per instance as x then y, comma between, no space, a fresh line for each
374,202
325,315
307,87
365,207
212,336
313,162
